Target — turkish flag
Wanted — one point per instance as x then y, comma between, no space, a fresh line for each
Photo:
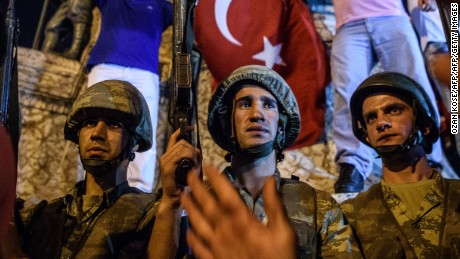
278,34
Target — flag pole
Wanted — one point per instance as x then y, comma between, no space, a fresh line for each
38,31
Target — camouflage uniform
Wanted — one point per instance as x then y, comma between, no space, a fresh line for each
383,227
314,214
117,226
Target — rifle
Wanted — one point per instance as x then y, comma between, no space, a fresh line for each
9,108
186,64
9,94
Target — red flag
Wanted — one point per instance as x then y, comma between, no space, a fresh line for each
278,34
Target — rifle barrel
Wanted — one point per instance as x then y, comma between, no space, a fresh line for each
11,23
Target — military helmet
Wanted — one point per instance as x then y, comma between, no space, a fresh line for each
220,106
115,99
400,86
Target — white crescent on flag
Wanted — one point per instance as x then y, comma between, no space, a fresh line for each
220,12
270,54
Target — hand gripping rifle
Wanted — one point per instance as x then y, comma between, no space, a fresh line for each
185,72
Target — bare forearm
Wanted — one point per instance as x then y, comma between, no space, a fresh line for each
164,239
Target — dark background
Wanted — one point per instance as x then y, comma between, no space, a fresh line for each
28,13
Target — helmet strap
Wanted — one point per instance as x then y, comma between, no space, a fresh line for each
132,156
395,154
253,152
99,167
259,151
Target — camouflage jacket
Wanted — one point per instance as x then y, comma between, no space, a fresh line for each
118,226
383,229
315,216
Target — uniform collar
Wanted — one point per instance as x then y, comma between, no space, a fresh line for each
73,198
230,173
434,195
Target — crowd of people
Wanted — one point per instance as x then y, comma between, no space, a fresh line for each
248,210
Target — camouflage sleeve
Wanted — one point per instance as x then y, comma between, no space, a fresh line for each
27,214
150,215
30,213
137,248
336,236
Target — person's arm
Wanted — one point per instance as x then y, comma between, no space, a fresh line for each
10,247
164,239
223,227
336,234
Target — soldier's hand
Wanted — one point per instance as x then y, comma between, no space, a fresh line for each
223,227
175,152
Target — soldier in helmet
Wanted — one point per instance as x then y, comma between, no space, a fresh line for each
103,217
253,115
413,212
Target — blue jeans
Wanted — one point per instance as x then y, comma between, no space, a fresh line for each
356,48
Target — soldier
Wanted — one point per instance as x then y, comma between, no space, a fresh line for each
413,212
128,49
253,115
103,216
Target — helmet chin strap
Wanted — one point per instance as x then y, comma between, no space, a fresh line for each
99,167
257,151
397,153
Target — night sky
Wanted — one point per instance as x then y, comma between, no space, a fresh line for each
28,12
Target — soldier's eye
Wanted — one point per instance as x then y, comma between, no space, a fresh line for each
270,104
394,109
113,124
243,104
89,123
370,118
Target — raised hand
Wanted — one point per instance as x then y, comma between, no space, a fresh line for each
223,227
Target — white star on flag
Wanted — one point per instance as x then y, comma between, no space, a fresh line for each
271,54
